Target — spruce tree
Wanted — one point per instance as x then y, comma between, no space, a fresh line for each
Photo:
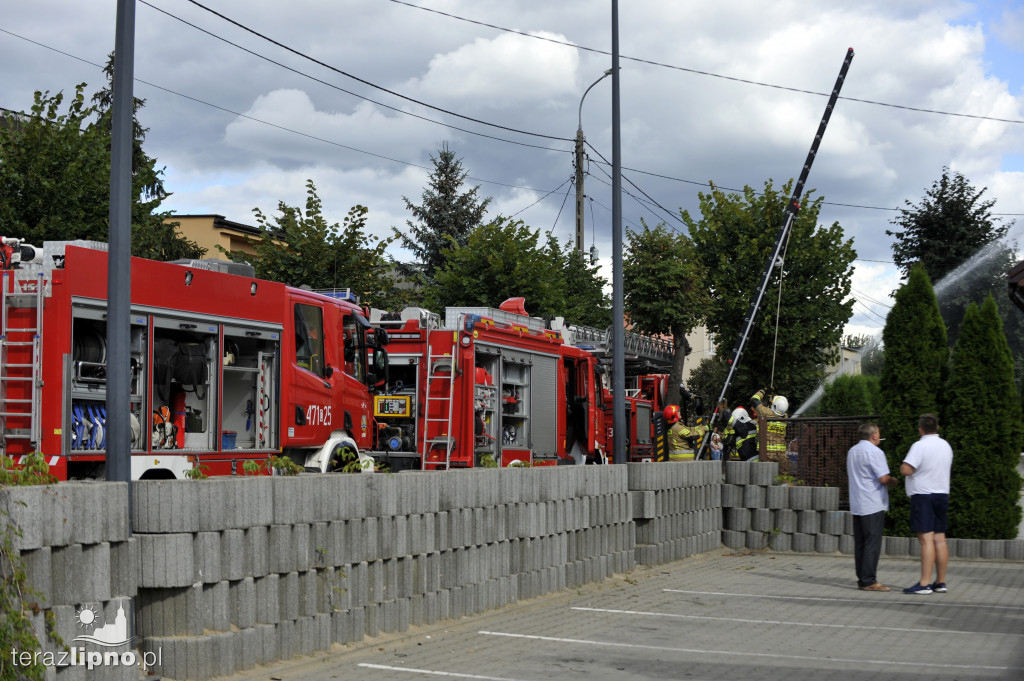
982,423
916,359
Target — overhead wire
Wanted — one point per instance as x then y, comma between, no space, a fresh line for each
356,95
368,83
746,81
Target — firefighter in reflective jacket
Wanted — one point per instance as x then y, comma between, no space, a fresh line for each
679,448
746,434
776,435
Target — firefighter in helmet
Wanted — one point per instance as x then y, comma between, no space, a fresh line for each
776,433
746,434
679,434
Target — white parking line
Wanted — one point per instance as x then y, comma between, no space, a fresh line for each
435,673
795,624
740,653
917,600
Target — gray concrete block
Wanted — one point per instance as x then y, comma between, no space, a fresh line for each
287,639
69,587
234,561
38,564
87,520
737,519
308,589
216,605
125,566
214,495
255,552
780,541
267,599
776,497
966,548
242,597
809,522
801,498
897,546
732,496
733,539
206,552
803,542
288,597
826,543
94,570
762,520
170,612
834,522
246,654
166,506
166,560
754,496
763,472
825,498
302,547
1014,549
320,541
993,549
642,504
737,472
756,541
281,549
846,544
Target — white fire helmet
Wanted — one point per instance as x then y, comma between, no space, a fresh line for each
780,405
740,414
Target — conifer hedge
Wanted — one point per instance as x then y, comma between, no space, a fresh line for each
982,422
914,375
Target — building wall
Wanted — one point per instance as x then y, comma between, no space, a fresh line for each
210,231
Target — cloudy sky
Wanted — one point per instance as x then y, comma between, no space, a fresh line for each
247,99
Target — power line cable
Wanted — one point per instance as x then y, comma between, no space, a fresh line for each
707,73
353,94
560,209
357,78
540,199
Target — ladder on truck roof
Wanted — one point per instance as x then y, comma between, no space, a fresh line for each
20,381
656,351
439,392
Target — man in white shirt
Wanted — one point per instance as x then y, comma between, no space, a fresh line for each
868,473
927,467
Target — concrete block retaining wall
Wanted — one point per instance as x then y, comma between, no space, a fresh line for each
225,574
759,515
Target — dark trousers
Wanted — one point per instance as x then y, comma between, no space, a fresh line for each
867,545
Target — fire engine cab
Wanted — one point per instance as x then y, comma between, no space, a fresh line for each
225,368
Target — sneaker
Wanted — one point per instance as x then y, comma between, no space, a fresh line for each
939,587
918,589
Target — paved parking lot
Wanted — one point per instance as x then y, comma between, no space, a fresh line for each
722,615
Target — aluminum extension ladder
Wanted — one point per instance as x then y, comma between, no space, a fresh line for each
439,392
20,382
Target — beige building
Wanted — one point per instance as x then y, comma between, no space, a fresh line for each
849,363
210,231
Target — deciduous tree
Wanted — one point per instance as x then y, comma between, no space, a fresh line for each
734,239
664,290
299,247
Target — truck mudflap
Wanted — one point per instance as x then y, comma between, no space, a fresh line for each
339,453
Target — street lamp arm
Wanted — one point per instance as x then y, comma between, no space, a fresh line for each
607,73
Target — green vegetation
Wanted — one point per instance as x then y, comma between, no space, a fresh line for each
983,423
913,378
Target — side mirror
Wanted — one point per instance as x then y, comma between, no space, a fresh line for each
380,337
328,371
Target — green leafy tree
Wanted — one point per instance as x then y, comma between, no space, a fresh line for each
299,247
982,422
708,378
501,260
585,299
963,248
850,395
916,361
445,218
664,290
55,178
734,239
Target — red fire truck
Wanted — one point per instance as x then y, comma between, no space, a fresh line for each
225,368
498,387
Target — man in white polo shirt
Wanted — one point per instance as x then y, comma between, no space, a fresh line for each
927,468
868,473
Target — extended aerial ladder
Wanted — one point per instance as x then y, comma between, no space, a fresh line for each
781,241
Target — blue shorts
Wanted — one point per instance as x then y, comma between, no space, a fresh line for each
928,513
